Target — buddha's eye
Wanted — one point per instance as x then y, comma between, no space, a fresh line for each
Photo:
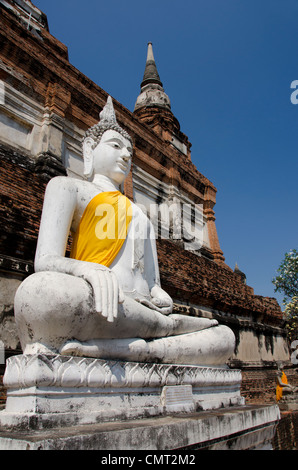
115,145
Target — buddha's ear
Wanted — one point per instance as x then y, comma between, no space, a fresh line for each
88,156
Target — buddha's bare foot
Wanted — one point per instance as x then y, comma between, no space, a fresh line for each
38,348
73,348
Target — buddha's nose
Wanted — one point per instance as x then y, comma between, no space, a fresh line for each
125,154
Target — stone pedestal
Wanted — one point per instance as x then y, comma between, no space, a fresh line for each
46,391
289,402
62,402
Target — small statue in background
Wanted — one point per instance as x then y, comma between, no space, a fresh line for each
283,387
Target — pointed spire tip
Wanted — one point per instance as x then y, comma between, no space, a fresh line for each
151,73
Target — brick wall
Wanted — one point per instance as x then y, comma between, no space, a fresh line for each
21,204
286,436
200,281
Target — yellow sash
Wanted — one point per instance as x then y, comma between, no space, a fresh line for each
279,388
102,229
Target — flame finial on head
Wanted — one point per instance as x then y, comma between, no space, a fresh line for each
108,115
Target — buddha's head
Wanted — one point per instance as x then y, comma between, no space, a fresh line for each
107,148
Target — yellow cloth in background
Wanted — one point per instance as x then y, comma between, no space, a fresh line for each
279,388
102,229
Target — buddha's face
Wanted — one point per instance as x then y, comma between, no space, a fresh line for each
112,156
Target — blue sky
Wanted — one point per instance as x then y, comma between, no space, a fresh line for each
227,67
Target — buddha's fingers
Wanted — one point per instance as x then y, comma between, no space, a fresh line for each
120,295
115,294
103,281
93,279
109,295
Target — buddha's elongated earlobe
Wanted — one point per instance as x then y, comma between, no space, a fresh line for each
88,156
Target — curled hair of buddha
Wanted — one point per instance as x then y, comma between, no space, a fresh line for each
107,122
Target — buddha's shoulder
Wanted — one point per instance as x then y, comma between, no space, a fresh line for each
66,183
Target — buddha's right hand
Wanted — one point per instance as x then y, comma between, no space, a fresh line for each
106,291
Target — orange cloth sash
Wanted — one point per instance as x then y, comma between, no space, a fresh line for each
102,229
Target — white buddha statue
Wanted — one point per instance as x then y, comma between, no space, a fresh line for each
105,301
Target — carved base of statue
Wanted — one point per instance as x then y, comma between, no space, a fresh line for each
47,391
289,401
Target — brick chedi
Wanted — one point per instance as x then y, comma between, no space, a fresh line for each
198,280
46,106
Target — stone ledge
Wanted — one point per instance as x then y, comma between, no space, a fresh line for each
248,427
15,265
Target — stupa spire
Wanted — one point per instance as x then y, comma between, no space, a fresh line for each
151,73
152,92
